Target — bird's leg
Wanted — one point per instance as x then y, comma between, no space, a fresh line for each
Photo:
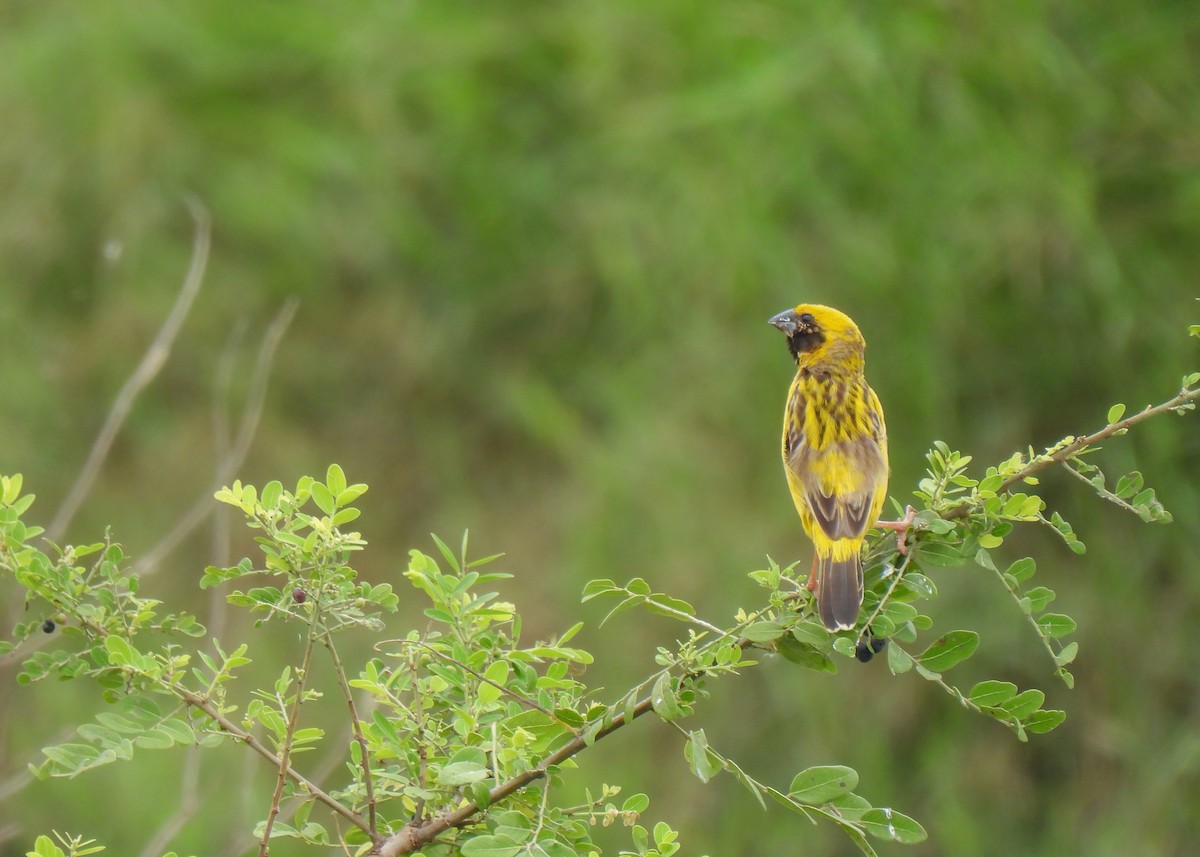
812,576
901,528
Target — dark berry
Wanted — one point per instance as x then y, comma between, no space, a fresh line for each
863,652
878,644
48,626
299,595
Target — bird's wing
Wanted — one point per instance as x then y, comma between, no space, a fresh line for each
840,484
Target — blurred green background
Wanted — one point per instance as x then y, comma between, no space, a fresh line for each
535,246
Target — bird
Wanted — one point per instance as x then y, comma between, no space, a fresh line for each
835,453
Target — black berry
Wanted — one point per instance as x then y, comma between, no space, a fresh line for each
48,626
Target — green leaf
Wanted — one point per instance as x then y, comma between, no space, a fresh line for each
812,633
480,792
992,693
948,650
920,584
1056,624
804,654
601,586
1024,703
939,553
1022,569
335,480
702,762
1044,720
665,605
899,660
155,739
45,847
1039,597
822,784
636,803
662,699
763,632
322,498
843,646
451,559
886,823
1115,413
983,558
1067,655
271,493
461,773
120,653
490,846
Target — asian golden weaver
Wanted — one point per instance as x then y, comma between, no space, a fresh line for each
834,453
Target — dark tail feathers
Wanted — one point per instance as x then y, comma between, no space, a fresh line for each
840,592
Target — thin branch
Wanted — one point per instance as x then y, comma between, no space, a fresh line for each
418,834
255,399
264,847
413,837
528,703
1041,462
302,782
1099,489
152,361
218,607
355,724
898,573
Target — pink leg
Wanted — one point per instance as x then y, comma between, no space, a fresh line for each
901,528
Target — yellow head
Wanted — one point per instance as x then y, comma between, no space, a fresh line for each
820,335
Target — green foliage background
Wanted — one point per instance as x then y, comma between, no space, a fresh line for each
536,245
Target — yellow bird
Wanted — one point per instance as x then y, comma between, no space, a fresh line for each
834,453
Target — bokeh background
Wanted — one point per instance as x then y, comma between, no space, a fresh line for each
535,246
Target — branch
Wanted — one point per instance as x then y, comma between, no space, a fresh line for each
232,729
264,847
413,837
418,834
152,361
356,725
528,703
1061,454
255,398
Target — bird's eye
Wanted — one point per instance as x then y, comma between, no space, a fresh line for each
807,320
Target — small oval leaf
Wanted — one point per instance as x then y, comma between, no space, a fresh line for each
823,783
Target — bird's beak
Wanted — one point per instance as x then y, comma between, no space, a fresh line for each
785,321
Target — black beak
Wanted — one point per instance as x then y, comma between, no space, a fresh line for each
785,321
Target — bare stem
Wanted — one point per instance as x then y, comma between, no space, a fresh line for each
264,847
420,833
229,727
1041,462
232,460
355,724
152,361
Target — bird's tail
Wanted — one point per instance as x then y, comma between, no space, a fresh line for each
840,591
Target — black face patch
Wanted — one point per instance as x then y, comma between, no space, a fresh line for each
806,336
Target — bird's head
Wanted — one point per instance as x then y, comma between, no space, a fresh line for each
815,333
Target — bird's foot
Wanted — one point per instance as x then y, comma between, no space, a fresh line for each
901,528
